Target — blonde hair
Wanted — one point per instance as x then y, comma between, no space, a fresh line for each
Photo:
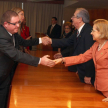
102,27
17,10
69,24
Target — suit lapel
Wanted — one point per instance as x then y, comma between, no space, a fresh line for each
16,41
103,51
53,28
101,54
12,40
94,53
80,35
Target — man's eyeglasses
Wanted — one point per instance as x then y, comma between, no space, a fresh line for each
74,17
19,22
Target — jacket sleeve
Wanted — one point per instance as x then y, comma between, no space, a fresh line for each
9,50
24,42
65,42
73,60
66,52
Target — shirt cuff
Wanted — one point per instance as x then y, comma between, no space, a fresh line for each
40,40
39,61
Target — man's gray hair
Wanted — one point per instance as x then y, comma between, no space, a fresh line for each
84,14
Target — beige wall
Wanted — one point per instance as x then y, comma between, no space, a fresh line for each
68,13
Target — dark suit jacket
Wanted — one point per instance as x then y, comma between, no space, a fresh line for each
9,54
66,36
84,42
56,32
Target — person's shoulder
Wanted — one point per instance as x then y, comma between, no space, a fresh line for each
68,35
58,25
26,27
87,28
95,44
17,35
49,25
4,33
2,28
87,25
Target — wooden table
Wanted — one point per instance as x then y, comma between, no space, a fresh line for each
44,87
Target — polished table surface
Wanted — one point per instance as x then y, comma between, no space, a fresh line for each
44,87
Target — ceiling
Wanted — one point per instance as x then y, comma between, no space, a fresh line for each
89,4
39,1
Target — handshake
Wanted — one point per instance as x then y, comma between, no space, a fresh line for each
50,63
45,60
46,40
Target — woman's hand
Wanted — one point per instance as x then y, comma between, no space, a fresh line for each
57,61
58,55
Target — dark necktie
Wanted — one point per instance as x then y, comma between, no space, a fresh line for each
77,35
13,40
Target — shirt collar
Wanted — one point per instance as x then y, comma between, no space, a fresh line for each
9,33
53,25
79,30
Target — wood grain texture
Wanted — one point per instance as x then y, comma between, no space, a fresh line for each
98,14
44,87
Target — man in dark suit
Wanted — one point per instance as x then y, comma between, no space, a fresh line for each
8,53
81,41
54,31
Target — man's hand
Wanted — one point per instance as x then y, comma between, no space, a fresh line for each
47,62
46,40
58,55
87,80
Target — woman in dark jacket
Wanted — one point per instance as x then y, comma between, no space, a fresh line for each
67,27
